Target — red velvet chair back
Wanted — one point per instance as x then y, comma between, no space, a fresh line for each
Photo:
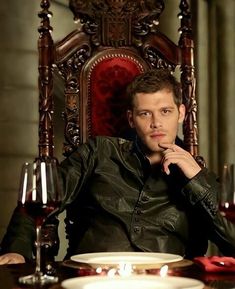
118,39
108,75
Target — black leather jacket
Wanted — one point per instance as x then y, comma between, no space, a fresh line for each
115,201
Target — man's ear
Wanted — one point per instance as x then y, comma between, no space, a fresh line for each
129,115
181,113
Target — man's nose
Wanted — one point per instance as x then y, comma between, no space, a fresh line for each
155,122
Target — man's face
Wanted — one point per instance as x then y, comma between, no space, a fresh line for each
155,117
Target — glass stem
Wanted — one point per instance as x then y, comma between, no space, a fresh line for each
38,250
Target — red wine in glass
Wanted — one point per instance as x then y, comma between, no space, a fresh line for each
39,211
227,194
228,211
40,196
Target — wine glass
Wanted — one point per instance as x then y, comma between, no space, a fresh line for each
227,196
40,196
49,246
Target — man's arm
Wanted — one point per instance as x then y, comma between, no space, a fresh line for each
201,192
19,238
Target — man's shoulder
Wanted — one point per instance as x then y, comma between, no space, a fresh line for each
110,145
109,140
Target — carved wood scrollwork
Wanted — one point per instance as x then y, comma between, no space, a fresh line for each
114,23
71,116
186,44
152,55
69,64
46,109
70,70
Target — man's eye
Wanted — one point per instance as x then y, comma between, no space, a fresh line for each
166,111
144,113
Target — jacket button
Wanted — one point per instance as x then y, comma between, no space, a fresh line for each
145,198
136,229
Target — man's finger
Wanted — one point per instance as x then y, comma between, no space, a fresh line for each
171,146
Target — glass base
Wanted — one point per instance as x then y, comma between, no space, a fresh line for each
39,278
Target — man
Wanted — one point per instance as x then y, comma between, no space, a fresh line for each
148,194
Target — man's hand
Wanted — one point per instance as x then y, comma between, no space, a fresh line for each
11,258
174,154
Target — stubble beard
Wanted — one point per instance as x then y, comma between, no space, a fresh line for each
153,150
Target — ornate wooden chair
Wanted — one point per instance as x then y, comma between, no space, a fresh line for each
118,39
115,41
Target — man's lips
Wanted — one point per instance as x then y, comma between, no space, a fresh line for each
157,135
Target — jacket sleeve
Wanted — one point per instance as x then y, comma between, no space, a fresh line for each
76,170
20,235
202,193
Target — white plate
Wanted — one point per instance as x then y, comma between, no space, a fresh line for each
135,258
133,282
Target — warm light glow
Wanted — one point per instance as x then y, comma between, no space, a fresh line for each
124,270
99,270
44,182
112,272
34,190
155,22
226,205
163,271
24,187
76,21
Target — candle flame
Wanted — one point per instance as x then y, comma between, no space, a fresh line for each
163,271
112,272
123,269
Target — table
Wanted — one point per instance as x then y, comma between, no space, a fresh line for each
9,275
